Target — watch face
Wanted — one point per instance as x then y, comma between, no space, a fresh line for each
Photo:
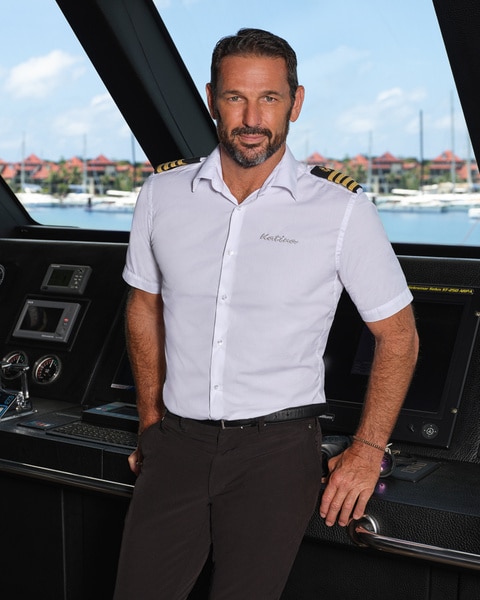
2,274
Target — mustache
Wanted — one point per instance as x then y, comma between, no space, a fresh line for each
252,131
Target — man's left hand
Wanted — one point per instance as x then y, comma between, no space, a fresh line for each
352,480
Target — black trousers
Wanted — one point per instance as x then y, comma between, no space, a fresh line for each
246,493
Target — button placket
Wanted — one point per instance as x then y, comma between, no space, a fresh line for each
222,315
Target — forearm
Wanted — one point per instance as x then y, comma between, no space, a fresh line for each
354,473
390,378
145,335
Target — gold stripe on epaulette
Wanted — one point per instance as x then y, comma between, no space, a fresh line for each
336,177
170,165
173,164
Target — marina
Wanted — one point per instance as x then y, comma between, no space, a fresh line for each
428,201
406,219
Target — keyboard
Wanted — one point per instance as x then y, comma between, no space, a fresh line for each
79,430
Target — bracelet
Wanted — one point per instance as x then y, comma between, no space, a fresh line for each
367,443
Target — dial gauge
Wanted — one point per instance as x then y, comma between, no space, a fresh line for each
17,357
47,369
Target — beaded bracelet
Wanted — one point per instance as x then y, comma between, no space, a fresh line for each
366,442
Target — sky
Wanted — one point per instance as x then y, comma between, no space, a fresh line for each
369,68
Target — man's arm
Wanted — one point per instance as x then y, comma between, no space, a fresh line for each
354,473
145,334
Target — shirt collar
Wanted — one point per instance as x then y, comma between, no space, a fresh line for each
211,169
284,175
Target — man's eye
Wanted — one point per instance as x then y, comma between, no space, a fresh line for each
270,99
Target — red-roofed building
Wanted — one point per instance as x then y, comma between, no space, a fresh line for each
32,160
11,173
359,161
386,164
316,159
74,163
45,170
464,175
387,171
101,166
441,166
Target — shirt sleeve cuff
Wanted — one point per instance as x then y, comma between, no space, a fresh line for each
388,309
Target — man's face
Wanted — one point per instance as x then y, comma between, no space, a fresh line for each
253,107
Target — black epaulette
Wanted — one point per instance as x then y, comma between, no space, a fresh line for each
173,164
336,177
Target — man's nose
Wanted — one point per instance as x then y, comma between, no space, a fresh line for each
251,115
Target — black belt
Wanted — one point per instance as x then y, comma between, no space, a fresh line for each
287,414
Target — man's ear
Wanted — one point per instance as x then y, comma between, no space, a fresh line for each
211,101
298,103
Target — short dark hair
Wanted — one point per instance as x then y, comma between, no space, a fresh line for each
257,42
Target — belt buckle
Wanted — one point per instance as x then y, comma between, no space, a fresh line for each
226,424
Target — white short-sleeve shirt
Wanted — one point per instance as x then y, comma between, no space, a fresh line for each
250,290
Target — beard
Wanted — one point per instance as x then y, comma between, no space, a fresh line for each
251,155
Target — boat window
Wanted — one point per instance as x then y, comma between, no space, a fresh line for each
65,149
380,105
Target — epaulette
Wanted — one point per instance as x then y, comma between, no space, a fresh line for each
173,164
336,177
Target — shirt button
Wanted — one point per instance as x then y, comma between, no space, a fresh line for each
224,296
219,342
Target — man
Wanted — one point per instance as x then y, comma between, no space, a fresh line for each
236,264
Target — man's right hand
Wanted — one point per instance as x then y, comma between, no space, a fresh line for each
135,461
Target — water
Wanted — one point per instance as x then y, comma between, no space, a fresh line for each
449,227
452,227
79,216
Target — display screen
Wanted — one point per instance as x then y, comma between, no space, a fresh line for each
46,320
66,279
61,277
447,322
41,318
348,361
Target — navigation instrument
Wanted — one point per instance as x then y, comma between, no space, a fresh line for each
66,279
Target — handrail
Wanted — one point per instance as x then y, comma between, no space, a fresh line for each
66,478
365,532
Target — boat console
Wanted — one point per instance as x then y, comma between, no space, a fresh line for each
69,416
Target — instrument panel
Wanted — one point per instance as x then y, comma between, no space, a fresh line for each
57,316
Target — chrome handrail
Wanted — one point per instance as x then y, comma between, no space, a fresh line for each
66,478
365,532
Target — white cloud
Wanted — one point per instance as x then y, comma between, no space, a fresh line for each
392,106
389,97
39,76
102,102
100,114
99,123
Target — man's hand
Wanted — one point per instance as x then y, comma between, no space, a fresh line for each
352,480
135,461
